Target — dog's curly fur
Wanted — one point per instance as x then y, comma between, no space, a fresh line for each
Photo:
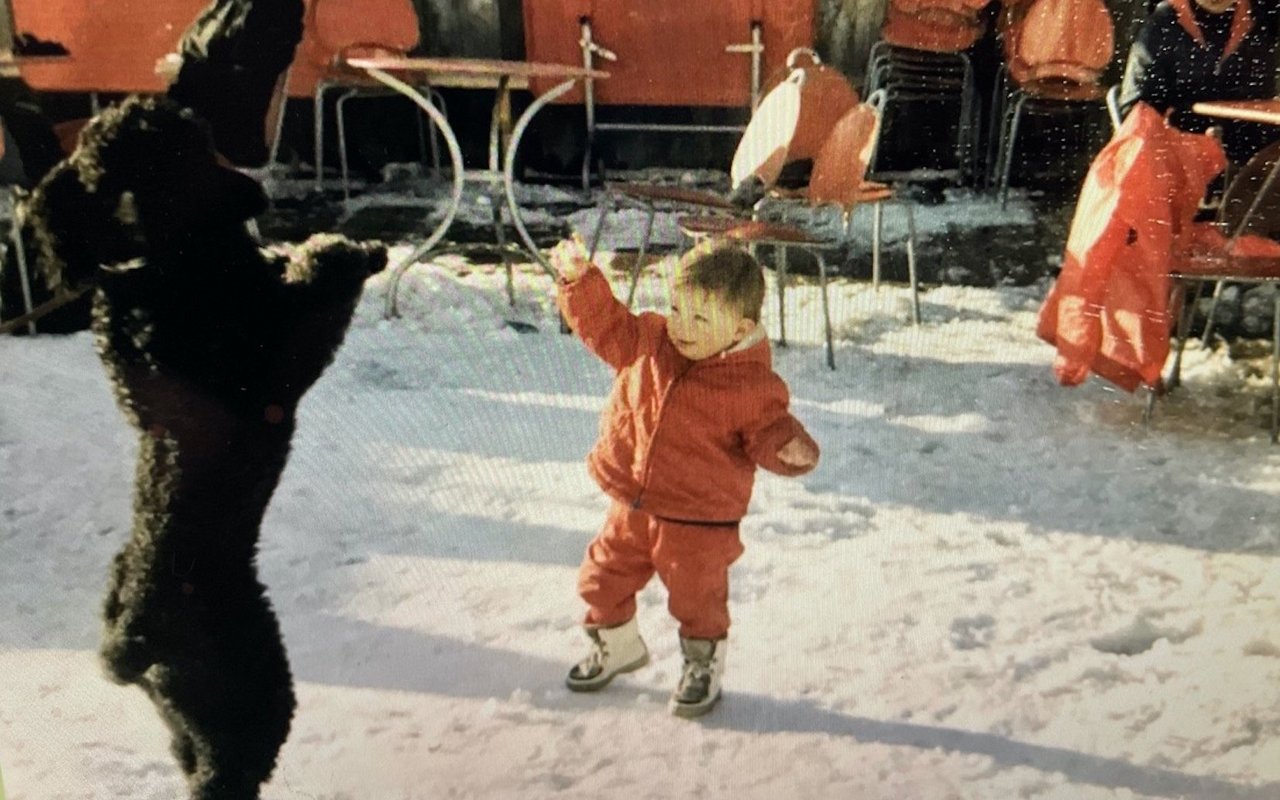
210,345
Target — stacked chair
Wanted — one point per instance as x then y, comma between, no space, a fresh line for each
1056,52
921,58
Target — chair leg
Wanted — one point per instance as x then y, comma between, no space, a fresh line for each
911,263
273,155
607,206
1275,372
964,125
1007,164
318,114
782,297
644,246
877,218
500,236
1213,310
826,310
995,125
1149,407
24,277
427,145
1184,326
438,99
342,142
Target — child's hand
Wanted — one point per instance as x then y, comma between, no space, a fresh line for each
569,258
798,453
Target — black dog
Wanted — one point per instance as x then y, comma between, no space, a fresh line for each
210,345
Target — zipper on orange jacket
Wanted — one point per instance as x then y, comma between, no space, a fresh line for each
657,426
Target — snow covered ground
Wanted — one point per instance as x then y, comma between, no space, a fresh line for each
991,587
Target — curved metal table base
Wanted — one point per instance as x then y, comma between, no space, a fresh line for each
459,177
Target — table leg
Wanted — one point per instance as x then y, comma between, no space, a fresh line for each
508,171
499,141
1275,372
455,197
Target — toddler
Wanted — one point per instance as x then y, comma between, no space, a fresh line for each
695,408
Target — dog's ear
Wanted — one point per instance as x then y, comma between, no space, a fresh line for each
69,227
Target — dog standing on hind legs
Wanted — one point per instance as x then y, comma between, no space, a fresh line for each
210,344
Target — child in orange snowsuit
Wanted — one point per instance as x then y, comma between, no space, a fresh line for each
695,408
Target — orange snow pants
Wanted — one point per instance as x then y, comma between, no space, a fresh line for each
692,561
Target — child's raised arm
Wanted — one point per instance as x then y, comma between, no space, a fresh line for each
586,300
569,258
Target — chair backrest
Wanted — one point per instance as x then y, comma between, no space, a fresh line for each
1242,195
1113,107
841,166
762,150
825,96
339,24
1071,40
334,27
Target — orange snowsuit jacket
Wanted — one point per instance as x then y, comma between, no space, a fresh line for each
1108,310
679,439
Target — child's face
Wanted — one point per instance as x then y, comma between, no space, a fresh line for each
701,324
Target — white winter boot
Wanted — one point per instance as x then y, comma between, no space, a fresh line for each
699,688
613,651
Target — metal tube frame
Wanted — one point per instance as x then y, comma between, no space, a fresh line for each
590,48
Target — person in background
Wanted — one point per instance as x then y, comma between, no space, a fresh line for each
695,408
1189,51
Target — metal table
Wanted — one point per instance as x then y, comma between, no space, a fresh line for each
504,141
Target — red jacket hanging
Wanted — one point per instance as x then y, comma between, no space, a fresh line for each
1108,310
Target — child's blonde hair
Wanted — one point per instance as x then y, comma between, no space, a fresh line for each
728,272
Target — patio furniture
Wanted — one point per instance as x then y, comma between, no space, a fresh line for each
1250,210
839,182
1057,51
760,155
911,76
334,32
407,75
799,111
1261,170
1193,270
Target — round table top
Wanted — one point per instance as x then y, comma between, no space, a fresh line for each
477,66
1266,110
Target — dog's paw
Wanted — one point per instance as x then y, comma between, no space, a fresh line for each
328,254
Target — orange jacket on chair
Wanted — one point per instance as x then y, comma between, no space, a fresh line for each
1108,310
679,439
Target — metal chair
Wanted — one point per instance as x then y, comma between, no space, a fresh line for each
760,155
1040,97
800,108
1113,107
1194,271
1056,52
336,30
839,182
